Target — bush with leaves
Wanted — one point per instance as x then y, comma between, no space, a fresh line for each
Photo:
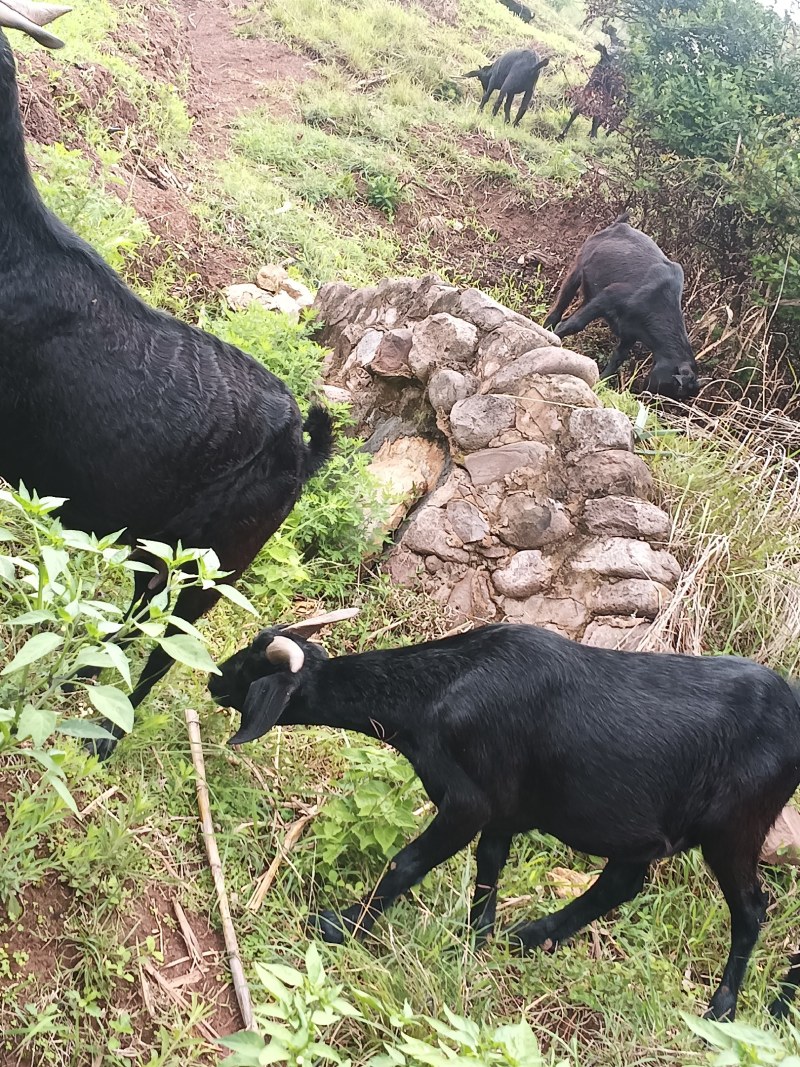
59,611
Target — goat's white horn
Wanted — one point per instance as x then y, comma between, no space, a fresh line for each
284,650
16,15
306,627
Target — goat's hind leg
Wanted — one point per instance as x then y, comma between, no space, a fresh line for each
570,120
779,1008
523,107
733,857
621,353
618,882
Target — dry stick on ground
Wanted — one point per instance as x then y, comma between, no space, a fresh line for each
291,839
231,944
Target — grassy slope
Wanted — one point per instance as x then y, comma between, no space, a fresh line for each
366,124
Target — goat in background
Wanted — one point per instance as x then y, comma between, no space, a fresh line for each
512,73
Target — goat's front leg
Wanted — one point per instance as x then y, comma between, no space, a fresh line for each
498,102
523,107
484,99
570,120
455,825
621,353
614,297
491,855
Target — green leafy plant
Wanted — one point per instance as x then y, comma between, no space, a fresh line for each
384,192
740,1045
59,591
300,1005
373,817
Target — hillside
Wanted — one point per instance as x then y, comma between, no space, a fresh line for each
191,142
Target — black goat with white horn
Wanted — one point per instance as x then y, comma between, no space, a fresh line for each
631,756
142,422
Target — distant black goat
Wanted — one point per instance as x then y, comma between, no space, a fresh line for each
518,9
626,279
512,73
141,421
632,756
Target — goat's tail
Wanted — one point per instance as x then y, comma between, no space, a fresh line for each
624,217
319,427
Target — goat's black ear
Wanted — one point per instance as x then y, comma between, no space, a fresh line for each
266,699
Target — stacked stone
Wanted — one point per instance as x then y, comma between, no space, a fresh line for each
522,498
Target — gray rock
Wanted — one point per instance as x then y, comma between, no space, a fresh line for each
430,533
622,557
447,387
466,521
614,472
470,599
624,516
527,573
485,313
367,348
404,566
508,342
441,339
391,358
495,464
616,633
543,361
332,302
629,596
476,421
562,614
599,430
526,524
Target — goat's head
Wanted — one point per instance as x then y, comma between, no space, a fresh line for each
483,74
30,18
259,680
677,381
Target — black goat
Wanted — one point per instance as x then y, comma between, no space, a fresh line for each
603,97
512,73
516,8
626,279
632,756
141,421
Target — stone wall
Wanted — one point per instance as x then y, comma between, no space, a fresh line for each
518,496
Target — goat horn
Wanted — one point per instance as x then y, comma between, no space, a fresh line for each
306,627
20,15
284,650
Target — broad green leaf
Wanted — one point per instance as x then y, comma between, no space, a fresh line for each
6,715
32,618
56,561
35,648
188,650
120,661
7,569
186,627
113,704
314,968
36,723
83,728
6,535
243,1041
158,549
61,788
233,594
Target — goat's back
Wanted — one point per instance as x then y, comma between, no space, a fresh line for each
622,254
175,431
615,753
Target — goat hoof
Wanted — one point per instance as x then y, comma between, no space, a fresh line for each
779,1008
329,926
722,1009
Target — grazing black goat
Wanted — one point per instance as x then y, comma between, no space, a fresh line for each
516,8
512,73
142,422
603,97
626,279
632,756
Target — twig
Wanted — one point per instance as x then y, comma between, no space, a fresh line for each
207,1031
231,943
188,933
268,877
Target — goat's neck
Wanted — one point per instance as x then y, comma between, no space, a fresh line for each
18,195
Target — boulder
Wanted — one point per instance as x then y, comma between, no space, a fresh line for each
616,633
430,533
466,521
527,573
629,596
611,473
367,348
540,362
470,599
441,339
494,464
622,557
476,421
333,303
508,342
486,313
524,523
391,358
403,566
599,430
625,516
563,614
446,387
407,468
